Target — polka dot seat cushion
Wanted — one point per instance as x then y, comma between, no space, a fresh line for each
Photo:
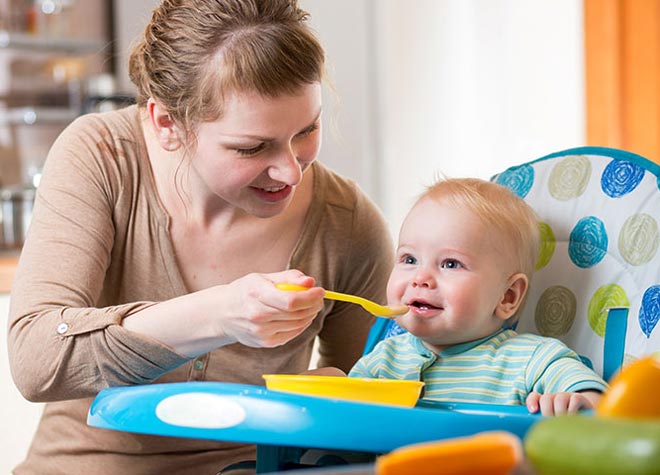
599,210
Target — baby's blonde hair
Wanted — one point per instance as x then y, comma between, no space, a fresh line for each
500,209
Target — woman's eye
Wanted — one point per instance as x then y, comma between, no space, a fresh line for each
451,264
250,151
309,130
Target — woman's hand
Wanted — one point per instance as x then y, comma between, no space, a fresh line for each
561,403
249,310
260,315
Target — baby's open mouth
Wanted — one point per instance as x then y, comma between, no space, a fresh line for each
424,305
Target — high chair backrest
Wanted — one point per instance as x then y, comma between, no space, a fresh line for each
598,211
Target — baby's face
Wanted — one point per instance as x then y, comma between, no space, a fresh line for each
451,273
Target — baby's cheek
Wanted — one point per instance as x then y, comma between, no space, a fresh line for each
394,291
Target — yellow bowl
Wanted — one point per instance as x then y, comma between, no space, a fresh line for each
377,391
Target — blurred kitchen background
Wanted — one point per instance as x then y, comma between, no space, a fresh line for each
57,61
420,88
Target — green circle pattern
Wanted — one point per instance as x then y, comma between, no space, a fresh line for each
555,311
546,246
569,178
604,298
639,239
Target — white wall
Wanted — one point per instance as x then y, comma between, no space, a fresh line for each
346,30
470,87
131,18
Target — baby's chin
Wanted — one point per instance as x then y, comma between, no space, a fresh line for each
419,327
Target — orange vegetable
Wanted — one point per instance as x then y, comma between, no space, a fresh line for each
633,391
487,453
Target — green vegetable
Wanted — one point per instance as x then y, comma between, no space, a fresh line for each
586,445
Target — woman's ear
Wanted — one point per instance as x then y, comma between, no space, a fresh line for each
513,296
164,127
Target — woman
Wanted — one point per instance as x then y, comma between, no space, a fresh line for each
160,230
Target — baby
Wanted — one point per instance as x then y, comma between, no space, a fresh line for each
466,253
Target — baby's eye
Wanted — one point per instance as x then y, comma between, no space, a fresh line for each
451,264
408,259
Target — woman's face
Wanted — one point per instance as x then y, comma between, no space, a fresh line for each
254,156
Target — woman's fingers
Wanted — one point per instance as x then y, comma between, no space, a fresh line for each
266,316
297,300
292,276
276,332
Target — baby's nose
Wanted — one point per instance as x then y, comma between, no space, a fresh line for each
423,279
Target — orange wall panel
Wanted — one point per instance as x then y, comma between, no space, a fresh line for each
603,72
641,77
622,74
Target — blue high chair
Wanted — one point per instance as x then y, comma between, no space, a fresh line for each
597,283
597,288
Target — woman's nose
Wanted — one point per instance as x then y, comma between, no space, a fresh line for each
286,168
423,279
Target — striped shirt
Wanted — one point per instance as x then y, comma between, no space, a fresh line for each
502,368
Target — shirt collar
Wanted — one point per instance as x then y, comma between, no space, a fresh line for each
455,349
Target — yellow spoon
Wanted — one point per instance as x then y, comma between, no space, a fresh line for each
368,305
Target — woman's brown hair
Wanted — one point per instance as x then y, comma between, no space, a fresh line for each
195,51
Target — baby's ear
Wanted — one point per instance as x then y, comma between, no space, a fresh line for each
513,296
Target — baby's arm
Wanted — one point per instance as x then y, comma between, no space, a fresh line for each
554,404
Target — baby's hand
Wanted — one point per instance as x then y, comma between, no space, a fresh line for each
561,403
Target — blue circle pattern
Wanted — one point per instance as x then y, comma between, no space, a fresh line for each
518,180
588,242
649,311
620,177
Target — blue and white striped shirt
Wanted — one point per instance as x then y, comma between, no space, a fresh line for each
502,368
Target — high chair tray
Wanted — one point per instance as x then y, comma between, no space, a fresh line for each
255,415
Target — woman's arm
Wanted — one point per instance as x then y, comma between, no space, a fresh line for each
61,346
70,335
250,311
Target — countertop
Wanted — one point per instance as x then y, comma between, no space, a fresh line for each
8,263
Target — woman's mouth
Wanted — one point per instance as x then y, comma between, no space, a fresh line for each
273,194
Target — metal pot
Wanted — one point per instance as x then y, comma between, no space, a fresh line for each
16,203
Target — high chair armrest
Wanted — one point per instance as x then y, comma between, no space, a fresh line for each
615,340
